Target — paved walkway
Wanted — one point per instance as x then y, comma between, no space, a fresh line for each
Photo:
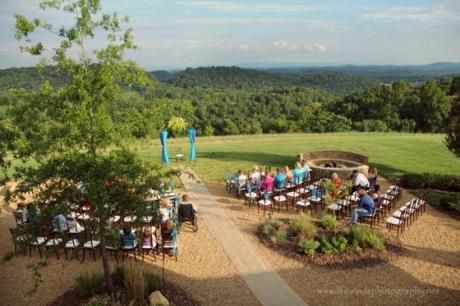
266,284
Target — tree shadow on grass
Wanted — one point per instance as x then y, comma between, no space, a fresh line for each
258,158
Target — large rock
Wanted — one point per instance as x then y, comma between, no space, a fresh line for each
156,298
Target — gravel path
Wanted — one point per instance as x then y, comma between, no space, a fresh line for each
265,283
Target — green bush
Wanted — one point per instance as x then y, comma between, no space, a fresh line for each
340,243
152,282
270,228
366,237
308,246
450,203
326,246
429,180
303,226
99,300
329,222
282,235
89,285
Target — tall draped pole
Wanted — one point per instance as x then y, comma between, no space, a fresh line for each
191,139
164,147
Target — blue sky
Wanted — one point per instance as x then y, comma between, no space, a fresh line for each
189,33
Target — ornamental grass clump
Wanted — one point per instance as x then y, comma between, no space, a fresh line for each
303,226
308,247
366,238
329,222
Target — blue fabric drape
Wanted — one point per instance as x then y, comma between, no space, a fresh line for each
164,147
191,138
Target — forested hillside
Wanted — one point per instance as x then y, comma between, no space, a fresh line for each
231,100
238,78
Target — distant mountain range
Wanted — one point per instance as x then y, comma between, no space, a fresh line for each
386,73
339,80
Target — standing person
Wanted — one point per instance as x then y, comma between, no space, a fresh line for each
280,179
366,206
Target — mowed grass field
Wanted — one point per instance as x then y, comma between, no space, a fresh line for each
392,153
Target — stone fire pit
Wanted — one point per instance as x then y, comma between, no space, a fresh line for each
324,163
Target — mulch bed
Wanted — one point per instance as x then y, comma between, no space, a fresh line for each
174,294
347,260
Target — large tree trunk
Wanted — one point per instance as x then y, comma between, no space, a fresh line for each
105,259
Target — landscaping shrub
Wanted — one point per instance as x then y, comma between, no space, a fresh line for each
89,285
270,228
303,226
429,180
282,235
308,247
134,282
99,300
366,237
340,243
329,222
450,203
326,246
152,282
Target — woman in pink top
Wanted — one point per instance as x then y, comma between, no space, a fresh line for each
267,183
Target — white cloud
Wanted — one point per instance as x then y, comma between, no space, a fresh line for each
280,45
239,7
447,11
245,47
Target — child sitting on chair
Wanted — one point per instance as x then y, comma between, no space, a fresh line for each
150,241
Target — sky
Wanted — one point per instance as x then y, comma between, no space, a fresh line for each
177,34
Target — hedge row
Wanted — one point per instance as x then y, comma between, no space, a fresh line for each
433,181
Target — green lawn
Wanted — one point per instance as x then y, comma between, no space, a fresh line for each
392,153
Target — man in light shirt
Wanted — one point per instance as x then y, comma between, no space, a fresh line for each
359,180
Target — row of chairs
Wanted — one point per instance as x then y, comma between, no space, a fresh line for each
75,244
301,196
406,215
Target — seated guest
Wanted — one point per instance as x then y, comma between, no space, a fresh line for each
241,179
60,223
185,201
366,206
372,176
336,179
375,194
31,212
298,174
267,183
280,179
359,180
288,173
128,238
150,241
300,158
255,174
22,213
165,209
